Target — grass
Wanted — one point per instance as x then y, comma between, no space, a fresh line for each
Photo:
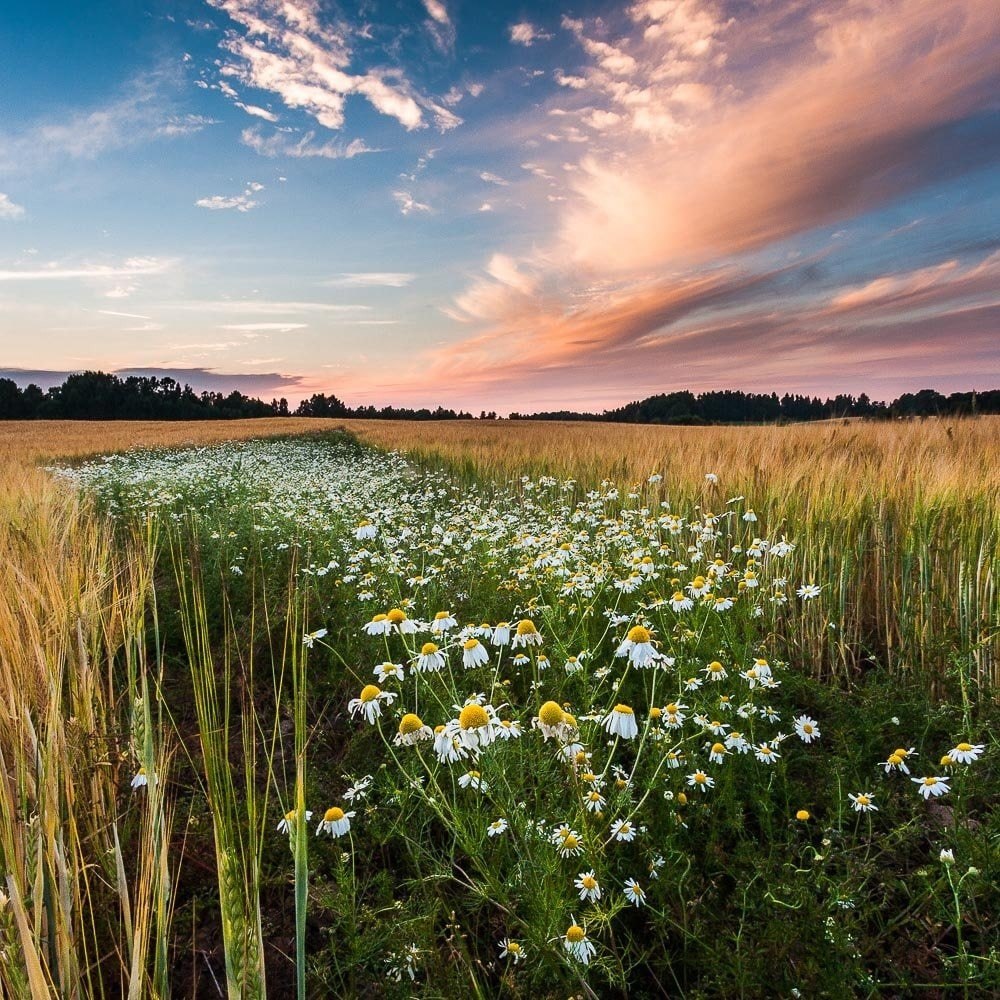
170,647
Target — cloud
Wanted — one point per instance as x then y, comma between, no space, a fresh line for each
289,50
112,312
281,144
440,27
243,202
267,308
370,279
264,327
54,271
8,209
408,204
257,112
492,178
145,111
525,33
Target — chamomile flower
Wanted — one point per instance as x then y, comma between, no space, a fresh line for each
568,841
701,781
766,753
620,721
386,670
931,787
310,637
715,671
526,634
573,664
634,892
590,888
399,623
365,531
369,703
501,634
141,779
412,730
287,824
680,602
897,760
443,621
717,754
430,660
577,943
638,646
379,625
335,822
806,729
966,753
808,591
497,827
863,802
947,856
594,802
512,949
474,654
551,720
475,726
622,829
474,780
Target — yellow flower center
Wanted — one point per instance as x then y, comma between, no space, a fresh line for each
513,947
638,634
900,753
570,720
594,796
714,724
863,800
575,934
410,723
588,777
571,841
551,714
470,644
475,775
807,727
802,815
526,627
333,815
442,615
895,759
588,882
473,717
655,712
380,618
718,748
715,667
623,710
396,616
682,798
965,747
930,782
428,647
678,596
671,709
699,778
370,692
946,760
581,757
699,581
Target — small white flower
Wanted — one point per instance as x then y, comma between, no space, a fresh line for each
497,827
634,892
808,591
590,889
931,787
310,637
806,729
622,829
335,822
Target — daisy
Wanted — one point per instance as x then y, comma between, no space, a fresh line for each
140,780
335,822
310,637
766,754
430,660
358,789
715,671
386,670
622,829
497,827
501,634
590,889
365,530
594,802
808,591
507,729
806,729
692,684
369,704
399,623
474,780
638,646
700,780
947,856
568,841
737,741
412,730
474,654
577,943
679,602
443,621
551,720
475,726
526,634
863,802
573,664
932,786
447,746
966,753
620,721
897,760
511,949
634,892
717,753
379,625
699,587
287,824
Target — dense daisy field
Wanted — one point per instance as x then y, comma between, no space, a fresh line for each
343,724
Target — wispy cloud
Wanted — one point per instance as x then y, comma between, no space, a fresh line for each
267,308
370,279
525,33
264,327
8,209
243,202
307,60
440,26
55,271
146,110
408,204
304,147
257,112
113,312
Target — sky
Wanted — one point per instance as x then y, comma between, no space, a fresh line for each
503,206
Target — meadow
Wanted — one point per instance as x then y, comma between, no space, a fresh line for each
499,709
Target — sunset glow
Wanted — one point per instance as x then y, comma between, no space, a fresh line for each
492,206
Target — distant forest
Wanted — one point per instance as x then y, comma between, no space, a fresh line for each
101,396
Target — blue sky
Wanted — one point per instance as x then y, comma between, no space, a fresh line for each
503,206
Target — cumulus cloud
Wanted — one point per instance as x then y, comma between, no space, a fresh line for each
8,209
243,202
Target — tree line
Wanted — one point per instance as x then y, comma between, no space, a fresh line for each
102,396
